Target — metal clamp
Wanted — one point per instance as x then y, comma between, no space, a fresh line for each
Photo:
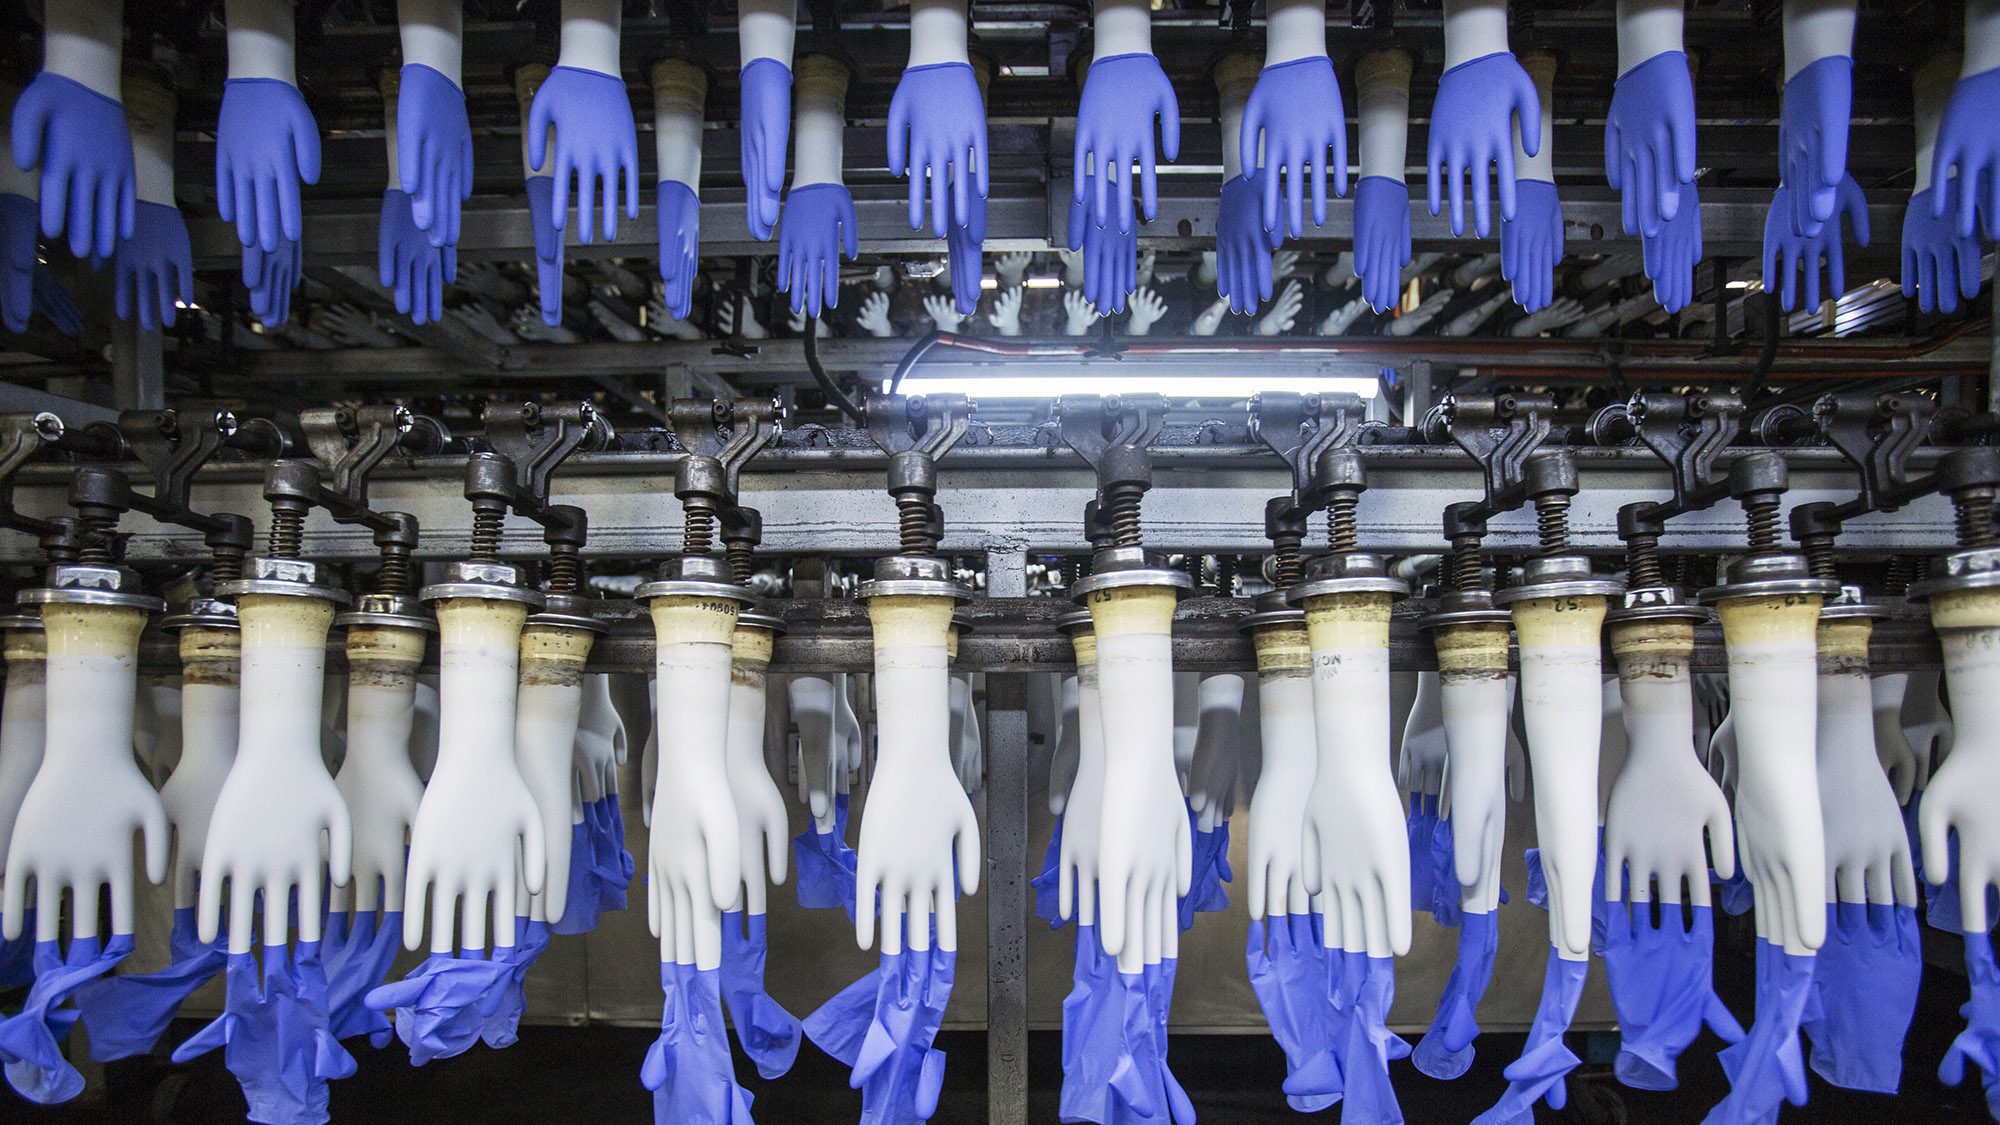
728,432
1280,420
1688,433
1500,432
21,437
915,432
537,440
352,442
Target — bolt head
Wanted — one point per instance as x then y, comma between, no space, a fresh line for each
491,573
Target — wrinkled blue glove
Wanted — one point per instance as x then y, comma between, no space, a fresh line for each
581,908
17,957
1211,870
548,246
26,285
411,267
266,142
155,267
1446,903
1538,893
1122,94
826,865
595,141
31,1039
1939,264
1288,972
444,1004
1531,243
769,1033
1767,1068
1295,112
964,243
680,244
126,1015
1094,1043
819,224
356,951
1649,141
1446,1049
1671,254
1787,253
271,279
502,1028
1812,141
433,150
1968,140
1365,989
276,1038
883,1026
1110,258
1420,826
766,126
1662,987
1545,1062
600,868
688,1067
1381,239
1942,910
1979,1043
1153,998
1243,245
77,137
1864,994
937,133
1048,882
1472,128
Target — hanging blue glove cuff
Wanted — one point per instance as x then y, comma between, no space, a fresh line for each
769,1034
1110,257
1812,141
1540,1071
964,243
883,1026
1211,870
1363,990
688,1067
1649,142
443,1005
1094,1045
1149,1000
126,1015
276,1038
1662,987
826,865
31,1039
1671,253
1446,1049
1767,1068
1048,883
1531,243
501,1029
1288,973
1864,994
1979,1043
356,951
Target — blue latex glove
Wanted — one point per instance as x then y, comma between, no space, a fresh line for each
1939,264
1295,112
266,142
155,267
825,864
595,141
1122,94
1864,995
276,1038
271,279
1048,882
688,1067
1787,253
1156,989
1420,826
502,1027
1968,139
769,1033
126,1015
31,1039
1110,258
77,137
414,269
548,246
1767,1069
26,285
1288,972
1446,1049
819,224
1211,870
581,909
1446,895
766,125
1671,254
600,868
1531,243
1979,1043
1472,128
1243,245
964,243
17,958
1538,893
937,132
444,1004
1812,142
883,1026
1941,904
433,150
356,951
1365,990
1381,239
1649,141
1662,987
1544,1063
680,244
1094,1045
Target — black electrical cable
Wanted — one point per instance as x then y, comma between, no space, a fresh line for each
909,360
825,381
